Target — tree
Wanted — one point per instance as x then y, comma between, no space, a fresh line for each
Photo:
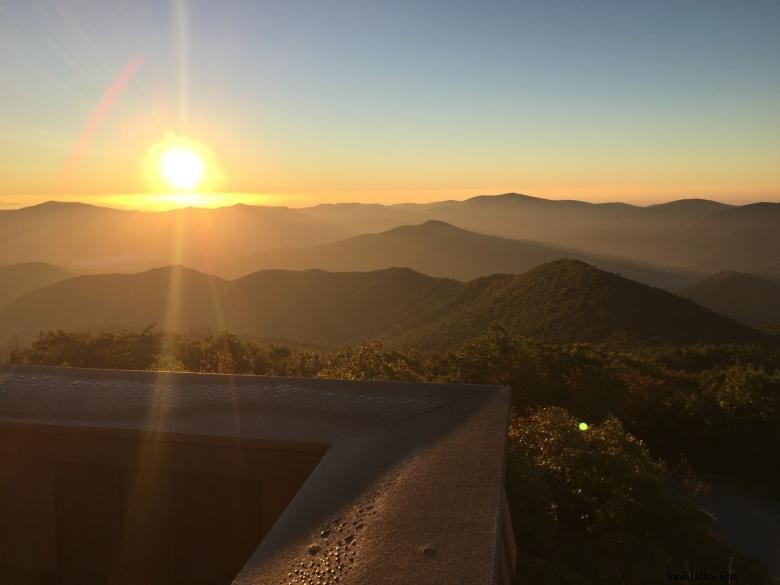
593,506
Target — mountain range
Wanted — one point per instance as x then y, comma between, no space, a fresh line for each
437,248
694,236
429,275
90,239
560,301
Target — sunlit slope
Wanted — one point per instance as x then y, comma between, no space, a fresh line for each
86,238
564,300
440,249
17,279
746,298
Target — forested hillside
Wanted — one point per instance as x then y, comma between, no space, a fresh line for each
561,301
570,301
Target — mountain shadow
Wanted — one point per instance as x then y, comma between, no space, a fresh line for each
17,279
746,298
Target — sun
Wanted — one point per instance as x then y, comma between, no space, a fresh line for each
182,168
180,171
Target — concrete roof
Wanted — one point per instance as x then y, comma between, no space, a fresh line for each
409,490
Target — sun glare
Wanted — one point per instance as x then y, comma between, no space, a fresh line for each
182,168
181,172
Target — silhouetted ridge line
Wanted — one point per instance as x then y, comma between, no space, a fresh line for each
561,301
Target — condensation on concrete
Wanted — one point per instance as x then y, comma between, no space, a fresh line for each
193,477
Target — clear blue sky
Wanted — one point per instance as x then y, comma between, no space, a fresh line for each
402,100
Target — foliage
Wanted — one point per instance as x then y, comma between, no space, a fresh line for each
128,350
593,506
683,402
580,496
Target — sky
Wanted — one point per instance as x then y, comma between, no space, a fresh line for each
301,102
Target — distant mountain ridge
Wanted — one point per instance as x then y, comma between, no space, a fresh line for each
692,235
565,300
90,239
437,248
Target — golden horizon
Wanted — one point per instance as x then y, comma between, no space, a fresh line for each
166,201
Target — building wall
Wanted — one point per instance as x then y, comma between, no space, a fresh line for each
100,508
